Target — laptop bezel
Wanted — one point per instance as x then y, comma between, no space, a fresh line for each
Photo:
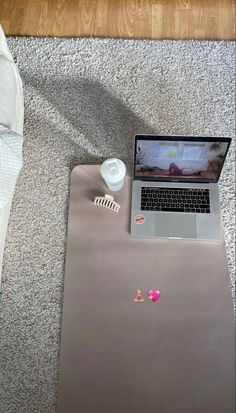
178,138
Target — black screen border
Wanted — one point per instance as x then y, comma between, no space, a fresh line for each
177,139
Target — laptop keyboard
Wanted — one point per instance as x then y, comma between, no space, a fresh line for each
175,200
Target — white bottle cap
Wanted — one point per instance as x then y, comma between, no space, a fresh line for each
113,172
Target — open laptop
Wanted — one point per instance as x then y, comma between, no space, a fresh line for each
175,189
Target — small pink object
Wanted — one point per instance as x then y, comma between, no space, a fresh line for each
139,298
154,295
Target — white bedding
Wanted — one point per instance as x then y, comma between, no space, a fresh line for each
11,117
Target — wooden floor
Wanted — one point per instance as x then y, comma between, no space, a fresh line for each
153,19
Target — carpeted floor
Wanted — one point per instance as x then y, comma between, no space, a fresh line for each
84,101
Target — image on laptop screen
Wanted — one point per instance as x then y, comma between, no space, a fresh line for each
175,159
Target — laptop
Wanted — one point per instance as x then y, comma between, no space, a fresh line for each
175,186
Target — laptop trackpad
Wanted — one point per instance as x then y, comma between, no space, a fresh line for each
175,225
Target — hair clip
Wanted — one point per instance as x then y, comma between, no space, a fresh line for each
107,202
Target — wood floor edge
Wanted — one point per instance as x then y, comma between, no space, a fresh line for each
76,36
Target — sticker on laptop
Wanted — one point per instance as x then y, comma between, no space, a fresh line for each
139,219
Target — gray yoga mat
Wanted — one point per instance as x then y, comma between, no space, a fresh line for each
172,355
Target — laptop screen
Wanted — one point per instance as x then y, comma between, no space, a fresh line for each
181,159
